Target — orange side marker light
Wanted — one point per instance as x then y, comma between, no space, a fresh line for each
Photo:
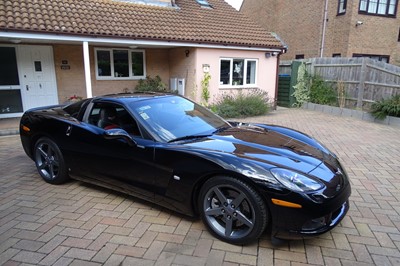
286,204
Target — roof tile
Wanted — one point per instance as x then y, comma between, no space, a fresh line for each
188,23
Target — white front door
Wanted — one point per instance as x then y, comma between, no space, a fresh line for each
37,76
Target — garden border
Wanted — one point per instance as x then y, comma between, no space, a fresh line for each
345,112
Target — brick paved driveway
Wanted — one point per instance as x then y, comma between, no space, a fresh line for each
76,224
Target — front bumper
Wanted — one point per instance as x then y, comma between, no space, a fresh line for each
311,220
313,227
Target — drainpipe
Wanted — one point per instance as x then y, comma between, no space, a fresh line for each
86,62
324,28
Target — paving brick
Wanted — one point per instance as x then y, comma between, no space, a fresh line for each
52,244
146,239
28,257
265,256
154,251
124,240
114,260
203,248
55,225
240,258
79,253
7,255
130,251
179,248
189,260
76,242
165,258
100,241
54,255
104,254
74,232
29,245
96,231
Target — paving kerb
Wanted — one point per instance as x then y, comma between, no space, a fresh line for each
78,224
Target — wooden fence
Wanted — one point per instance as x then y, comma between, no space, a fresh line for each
365,80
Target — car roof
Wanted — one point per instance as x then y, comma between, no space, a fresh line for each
132,97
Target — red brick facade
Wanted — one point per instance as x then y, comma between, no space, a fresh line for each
300,26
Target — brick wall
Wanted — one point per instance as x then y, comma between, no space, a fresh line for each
299,24
72,81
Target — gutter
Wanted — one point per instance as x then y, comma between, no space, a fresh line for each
62,38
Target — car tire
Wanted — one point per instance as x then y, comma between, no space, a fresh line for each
232,210
50,161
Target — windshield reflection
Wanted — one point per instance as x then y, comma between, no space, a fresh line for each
175,117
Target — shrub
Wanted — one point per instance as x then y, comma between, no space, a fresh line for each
242,105
313,89
151,84
383,108
321,92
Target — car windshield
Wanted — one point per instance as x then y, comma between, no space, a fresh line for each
173,117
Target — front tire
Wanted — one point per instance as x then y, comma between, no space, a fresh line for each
232,210
50,161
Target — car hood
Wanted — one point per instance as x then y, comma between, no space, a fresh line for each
267,146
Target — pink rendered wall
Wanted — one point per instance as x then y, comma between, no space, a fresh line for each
266,75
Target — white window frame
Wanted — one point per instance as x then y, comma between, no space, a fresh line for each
245,84
112,77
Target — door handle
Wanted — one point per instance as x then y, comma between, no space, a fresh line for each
27,87
40,85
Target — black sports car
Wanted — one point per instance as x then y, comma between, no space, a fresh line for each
240,178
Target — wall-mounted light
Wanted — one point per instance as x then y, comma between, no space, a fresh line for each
16,41
133,46
359,23
187,52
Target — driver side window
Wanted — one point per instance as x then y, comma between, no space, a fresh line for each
109,116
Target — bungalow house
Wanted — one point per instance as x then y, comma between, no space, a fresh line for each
51,50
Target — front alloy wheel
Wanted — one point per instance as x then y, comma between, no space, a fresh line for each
50,162
232,210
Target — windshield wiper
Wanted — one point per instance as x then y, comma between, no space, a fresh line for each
220,129
190,137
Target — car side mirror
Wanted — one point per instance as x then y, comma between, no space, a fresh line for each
117,133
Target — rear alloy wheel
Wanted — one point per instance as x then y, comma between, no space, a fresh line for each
50,162
232,210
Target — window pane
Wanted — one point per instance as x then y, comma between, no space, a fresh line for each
373,5
238,67
392,7
342,6
103,63
10,101
382,7
137,64
121,63
225,72
8,66
251,72
363,5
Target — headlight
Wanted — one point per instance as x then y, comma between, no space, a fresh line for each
295,181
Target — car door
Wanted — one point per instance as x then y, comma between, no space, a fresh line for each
112,163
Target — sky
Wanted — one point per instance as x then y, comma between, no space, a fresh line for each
235,3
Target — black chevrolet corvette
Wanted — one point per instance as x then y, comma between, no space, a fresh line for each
240,178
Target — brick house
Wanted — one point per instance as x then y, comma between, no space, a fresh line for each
51,50
332,28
